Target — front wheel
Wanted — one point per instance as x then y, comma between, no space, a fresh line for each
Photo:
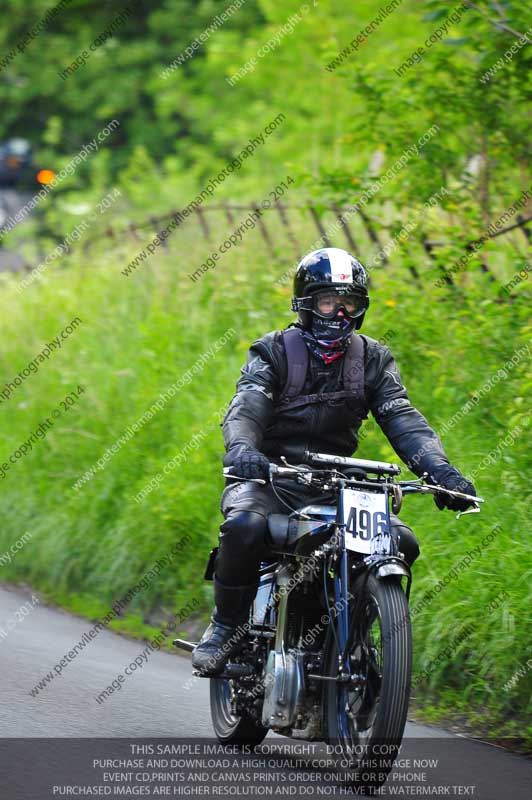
230,726
366,715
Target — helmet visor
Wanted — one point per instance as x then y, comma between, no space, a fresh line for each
328,302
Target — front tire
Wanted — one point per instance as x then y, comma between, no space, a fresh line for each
229,727
367,717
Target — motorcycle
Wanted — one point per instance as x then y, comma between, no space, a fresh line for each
327,650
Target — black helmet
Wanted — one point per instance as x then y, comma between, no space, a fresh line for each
330,268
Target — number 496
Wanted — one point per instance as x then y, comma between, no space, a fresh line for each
366,524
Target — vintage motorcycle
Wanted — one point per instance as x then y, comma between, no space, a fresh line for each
327,650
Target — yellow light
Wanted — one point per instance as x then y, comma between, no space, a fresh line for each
45,175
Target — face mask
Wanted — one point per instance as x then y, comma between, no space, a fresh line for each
328,338
330,330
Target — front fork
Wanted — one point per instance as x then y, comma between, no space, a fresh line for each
383,567
341,596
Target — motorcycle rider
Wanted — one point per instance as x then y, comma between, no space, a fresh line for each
308,388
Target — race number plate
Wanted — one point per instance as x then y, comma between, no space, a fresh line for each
365,517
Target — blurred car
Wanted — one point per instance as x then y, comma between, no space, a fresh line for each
17,167
15,161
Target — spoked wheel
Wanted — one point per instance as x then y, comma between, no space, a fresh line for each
230,726
366,715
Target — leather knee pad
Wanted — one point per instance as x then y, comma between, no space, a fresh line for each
242,547
408,544
407,541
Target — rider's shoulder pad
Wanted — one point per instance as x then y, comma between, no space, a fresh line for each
375,349
270,347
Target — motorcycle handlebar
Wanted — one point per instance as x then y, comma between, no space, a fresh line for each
380,467
406,487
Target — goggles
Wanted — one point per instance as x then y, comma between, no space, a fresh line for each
327,302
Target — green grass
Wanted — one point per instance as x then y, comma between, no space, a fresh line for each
141,334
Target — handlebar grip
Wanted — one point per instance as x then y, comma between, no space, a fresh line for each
275,469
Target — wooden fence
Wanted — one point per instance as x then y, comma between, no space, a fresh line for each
344,217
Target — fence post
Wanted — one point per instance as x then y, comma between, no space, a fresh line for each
203,223
321,230
286,223
263,230
228,214
483,266
372,234
523,226
347,232
154,221
428,248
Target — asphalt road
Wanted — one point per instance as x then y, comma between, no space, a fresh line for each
158,701
10,202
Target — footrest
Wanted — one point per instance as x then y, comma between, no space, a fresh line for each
184,645
230,671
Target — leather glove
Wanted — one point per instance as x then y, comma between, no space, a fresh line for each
451,478
251,464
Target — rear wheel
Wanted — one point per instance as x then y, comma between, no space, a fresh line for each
230,726
366,716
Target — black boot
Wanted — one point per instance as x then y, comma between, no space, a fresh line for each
228,627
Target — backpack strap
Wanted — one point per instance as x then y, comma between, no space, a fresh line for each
297,357
297,360
354,370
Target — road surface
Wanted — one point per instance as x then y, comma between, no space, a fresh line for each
11,201
159,702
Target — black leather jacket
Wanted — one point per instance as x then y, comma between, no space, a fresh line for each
252,419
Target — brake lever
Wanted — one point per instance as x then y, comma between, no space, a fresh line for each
434,488
474,510
228,474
